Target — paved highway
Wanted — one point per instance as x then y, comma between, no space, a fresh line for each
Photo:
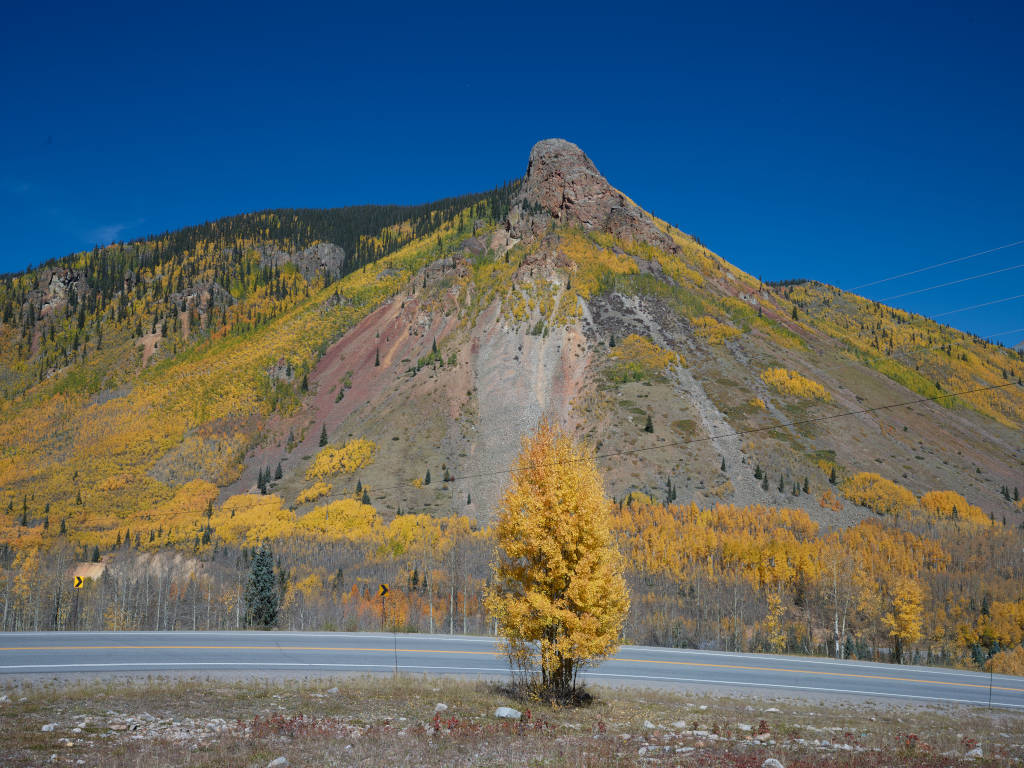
34,654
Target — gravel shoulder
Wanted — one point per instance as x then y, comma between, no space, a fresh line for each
420,721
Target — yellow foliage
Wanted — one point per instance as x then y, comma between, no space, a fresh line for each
793,383
951,504
638,358
249,518
875,492
347,519
559,598
1010,662
904,618
764,546
757,402
1004,624
593,260
355,454
314,492
714,331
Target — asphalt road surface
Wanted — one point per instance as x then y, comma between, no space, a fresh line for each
60,654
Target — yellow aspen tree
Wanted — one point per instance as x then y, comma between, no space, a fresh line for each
558,596
905,616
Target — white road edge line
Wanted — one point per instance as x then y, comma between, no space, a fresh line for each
505,672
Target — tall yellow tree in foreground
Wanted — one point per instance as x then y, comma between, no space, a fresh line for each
558,597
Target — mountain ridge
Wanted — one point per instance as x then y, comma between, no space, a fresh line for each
446,340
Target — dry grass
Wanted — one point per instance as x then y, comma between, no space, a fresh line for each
376,721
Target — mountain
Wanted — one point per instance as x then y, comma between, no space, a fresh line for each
146,381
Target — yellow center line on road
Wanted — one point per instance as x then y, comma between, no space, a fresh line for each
745,667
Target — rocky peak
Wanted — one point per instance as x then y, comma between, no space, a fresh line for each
563,185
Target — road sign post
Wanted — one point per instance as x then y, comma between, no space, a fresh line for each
383,592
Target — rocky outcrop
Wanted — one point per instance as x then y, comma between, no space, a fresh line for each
317,259
563,186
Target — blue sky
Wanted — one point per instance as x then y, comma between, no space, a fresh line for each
844,144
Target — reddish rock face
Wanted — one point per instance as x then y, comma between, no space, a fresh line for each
564,186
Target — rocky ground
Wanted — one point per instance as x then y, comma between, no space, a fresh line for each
429,722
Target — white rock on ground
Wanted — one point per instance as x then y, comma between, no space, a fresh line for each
49,727
278,762
771,762
648,724
975,754
332,690
513,714
440,707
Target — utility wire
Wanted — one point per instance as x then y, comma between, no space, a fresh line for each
979,306
952,282
1003,333
710,438
936,266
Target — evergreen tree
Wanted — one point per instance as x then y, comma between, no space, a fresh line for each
795,314
63,526
807,486
832,476
278,473
782,483
469,499
426,478
649,426
95,554
376,360
359,486
848,648
723,464
323,435
261,593
764,482
366,497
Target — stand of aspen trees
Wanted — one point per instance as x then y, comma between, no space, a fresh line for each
913,588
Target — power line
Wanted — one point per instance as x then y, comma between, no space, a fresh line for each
979,306
936,266
1004,333
710,438
952,282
